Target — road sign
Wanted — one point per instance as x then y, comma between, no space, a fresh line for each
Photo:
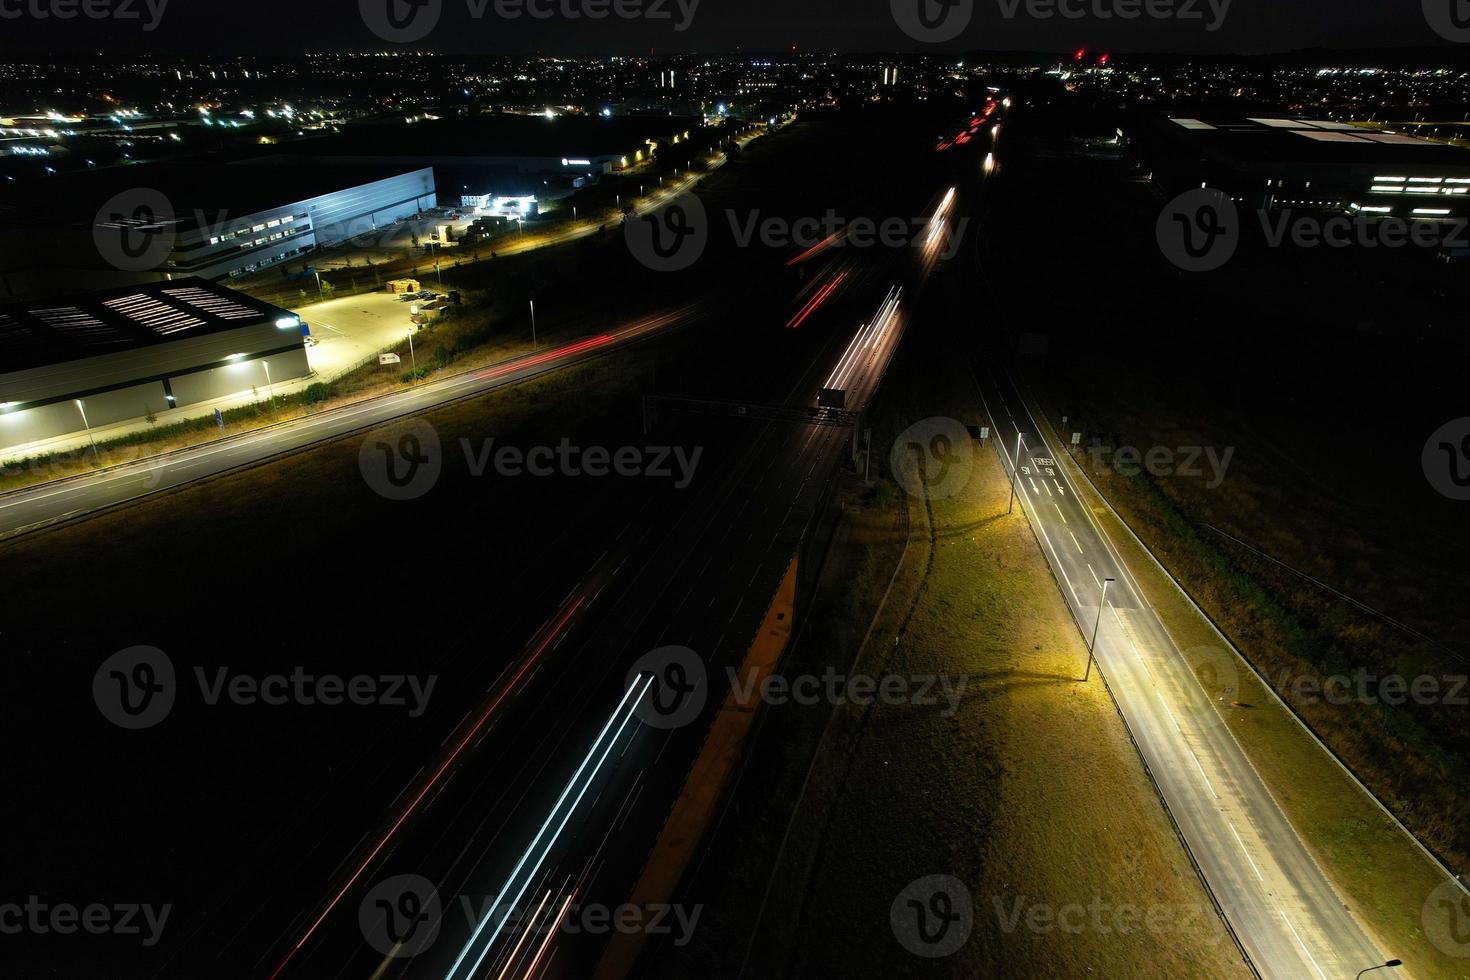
219,418
389,359
1076,438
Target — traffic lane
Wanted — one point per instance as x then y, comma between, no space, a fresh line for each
1284,908
667,758
558,710
758,562
30,509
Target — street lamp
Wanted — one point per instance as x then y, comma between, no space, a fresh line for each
413,358
534,345
95,455
1015,471
1390,964
269,386
319,294
1092,646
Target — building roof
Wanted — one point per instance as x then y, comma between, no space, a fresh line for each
192,189
43,332
1305,140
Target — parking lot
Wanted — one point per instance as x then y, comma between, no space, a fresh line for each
351,330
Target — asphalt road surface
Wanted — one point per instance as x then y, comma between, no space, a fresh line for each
47,504
1286,914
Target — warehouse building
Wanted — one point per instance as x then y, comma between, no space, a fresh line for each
73,365
215,221
1276,162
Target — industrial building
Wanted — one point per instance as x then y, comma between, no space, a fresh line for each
510,155
1275,162
215,221
77,364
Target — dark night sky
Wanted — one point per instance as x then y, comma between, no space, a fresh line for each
295,26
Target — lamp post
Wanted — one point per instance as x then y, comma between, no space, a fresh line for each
413,358
95,455
1384,966
1092,646
321,296
534,345
270,388
1015,472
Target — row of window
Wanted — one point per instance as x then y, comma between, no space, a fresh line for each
257,229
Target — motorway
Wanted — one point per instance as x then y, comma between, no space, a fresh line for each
1285,912
47,504
499,834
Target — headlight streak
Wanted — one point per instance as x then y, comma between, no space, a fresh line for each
620,717
868,336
